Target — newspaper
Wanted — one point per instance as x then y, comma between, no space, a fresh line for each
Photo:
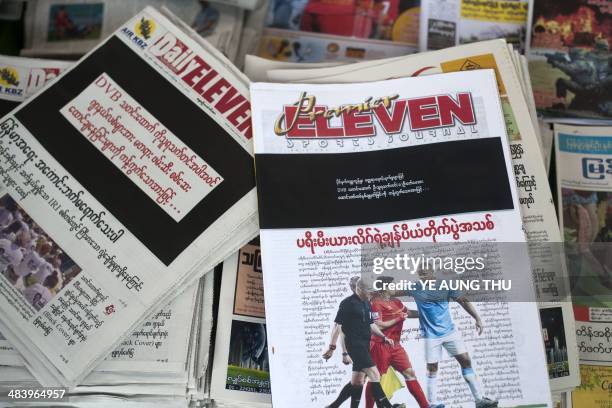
220,25
149,365
252,29
446,23
111,258
165,326
390,165
240,372
569,53
201,342
548,135
389,21
535,198
303,46
584,190
335,30
523,66
151,380
56,27
256,68
21,78
159,345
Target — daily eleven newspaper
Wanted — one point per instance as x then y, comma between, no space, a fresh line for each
386,163
535,199
160,345
136,167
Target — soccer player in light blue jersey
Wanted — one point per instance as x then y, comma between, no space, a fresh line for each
439,331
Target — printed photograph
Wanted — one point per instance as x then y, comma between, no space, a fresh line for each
29,258
441,34
371,322
481,31
382,20
573,74
248,368
587,221
69,22
553,332
249,292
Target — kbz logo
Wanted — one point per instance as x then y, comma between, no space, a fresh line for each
596,169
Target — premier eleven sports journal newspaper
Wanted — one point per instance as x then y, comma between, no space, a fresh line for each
341,173
535,198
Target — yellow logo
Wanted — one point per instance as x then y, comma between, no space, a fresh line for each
145,27
469,65
9,76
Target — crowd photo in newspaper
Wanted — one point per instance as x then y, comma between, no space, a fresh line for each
306,203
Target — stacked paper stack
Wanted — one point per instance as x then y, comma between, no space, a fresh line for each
96,255
54,28
155,362
128,202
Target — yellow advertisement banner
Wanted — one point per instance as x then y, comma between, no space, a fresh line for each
485,61
595,390
495,11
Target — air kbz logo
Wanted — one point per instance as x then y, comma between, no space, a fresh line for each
595,168
143,30
9,81
307,119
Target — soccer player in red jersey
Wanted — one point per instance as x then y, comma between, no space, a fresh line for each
389,315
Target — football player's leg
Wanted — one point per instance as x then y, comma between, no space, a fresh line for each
381,357
457,349
433,351
401,363
469,375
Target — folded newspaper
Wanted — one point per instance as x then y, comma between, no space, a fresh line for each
135,201
345,169
584,198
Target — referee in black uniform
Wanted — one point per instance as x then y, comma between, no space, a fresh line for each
354,319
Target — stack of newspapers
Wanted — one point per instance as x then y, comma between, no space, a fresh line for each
160,361
113,205
55,28
572,74
135,180
308,236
